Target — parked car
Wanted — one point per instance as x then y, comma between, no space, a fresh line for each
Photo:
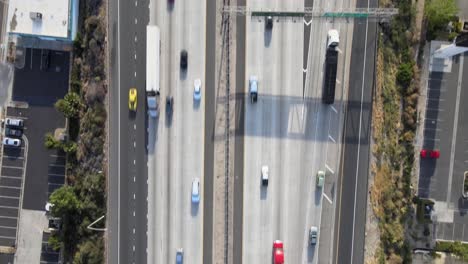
11,132
183,59
265,175
14,142
320,178
313,233
179,256
197,89
14,122
278,253
196,190
427,153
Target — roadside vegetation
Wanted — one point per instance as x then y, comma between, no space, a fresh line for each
82,199
395,120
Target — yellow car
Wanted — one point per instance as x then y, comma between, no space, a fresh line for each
132,99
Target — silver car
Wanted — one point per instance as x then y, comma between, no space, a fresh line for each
313,234
14,142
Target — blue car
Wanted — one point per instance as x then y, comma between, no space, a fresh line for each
180,256
197,90
196,190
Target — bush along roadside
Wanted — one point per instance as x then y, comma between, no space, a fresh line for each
83,199
394,125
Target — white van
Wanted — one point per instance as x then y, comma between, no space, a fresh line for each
14,122
333,38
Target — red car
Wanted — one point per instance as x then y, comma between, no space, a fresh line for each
278,253
433,154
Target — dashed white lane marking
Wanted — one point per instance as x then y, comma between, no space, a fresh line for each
134,144
133,213
136,40
134,126
133,230
136,21
134,197
135,74
326,197
134,162
329,169
136,3
134,179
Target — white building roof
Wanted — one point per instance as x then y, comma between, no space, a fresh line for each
53,23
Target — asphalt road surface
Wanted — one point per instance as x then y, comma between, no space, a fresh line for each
127,216
290,131
176,138
351,214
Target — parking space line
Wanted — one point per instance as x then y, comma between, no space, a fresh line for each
57,165
432,119
435,129
57,184
435,99
11,177
12,167
8,227
12,157
435,109
7,237
17,117
9,197
9,207
431,139
9,187
8,217
58,175
57,156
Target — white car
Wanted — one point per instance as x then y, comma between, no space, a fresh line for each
265,175
197,89
14,142
196,190
14,122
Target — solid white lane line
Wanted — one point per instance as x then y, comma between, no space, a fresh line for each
118,133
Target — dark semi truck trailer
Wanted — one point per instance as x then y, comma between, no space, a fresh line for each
329,82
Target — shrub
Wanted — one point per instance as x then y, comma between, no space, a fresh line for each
50,142
405,74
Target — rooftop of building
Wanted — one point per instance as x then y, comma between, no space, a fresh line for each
48,18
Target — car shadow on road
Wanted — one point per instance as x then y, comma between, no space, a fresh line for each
310,252
267,37
263,191
318,195
194,209
196,104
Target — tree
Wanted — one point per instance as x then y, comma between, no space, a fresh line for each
439,13
65,202
90,252
70,105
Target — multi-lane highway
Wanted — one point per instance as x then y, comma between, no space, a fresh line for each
290,131
127,207
153,164
176,138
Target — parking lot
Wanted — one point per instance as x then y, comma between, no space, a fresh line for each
446,130
48,255
11,182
